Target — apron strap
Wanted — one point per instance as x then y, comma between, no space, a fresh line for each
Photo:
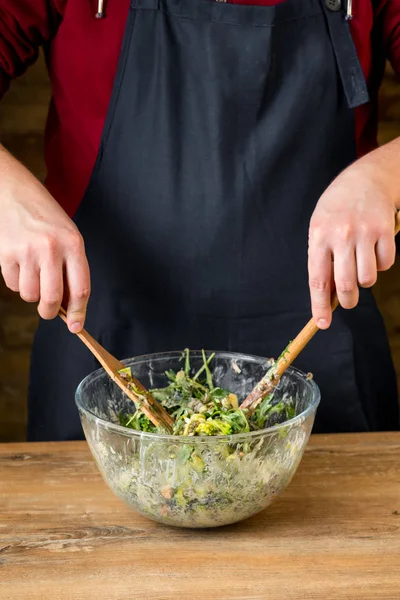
352,76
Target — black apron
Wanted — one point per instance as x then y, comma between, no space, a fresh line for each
225,126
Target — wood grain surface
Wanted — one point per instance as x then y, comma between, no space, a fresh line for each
333,535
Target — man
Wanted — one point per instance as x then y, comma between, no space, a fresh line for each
224,138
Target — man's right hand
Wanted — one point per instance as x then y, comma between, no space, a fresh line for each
42,254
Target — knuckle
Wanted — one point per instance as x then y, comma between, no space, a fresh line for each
344,286
14,287
50,244
367,231
46,312
364,228
319,285
11,282
349,303
51,299
386,262
344,232
320,306
27,253
82,294
391,261
29,297
74,242
316,234
385,266
8,269
367,281
7,259
385,230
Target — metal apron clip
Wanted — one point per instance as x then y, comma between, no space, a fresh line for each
100,10
351,73
349,13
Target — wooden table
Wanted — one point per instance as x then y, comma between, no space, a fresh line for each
334,534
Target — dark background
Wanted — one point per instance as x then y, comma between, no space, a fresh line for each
22,119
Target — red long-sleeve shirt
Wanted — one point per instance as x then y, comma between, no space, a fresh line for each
82,54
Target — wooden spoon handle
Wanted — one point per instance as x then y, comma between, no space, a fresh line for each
134,390
271,379
100,353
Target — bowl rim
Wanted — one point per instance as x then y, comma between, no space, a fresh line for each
297,420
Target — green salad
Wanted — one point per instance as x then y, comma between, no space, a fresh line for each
198,408
218,467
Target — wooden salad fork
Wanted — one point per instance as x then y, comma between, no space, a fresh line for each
135,391
273,376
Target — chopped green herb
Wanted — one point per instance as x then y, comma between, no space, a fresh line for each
201,409
286,351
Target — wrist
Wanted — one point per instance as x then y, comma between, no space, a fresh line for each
380,169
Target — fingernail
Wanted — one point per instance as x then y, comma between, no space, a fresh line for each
322,323
75,327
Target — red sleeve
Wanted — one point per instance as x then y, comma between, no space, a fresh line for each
24,26
390,13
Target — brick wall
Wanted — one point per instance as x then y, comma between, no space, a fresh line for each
22,119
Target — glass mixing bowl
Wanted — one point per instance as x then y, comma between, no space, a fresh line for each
196,481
